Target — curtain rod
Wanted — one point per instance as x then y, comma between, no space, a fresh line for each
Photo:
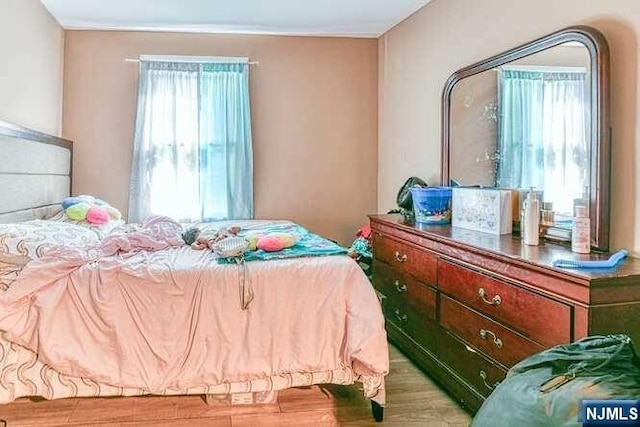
191,59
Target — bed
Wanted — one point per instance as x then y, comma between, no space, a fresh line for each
160,317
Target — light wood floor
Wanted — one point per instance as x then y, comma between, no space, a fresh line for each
412,399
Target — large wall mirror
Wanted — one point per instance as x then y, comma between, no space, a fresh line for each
536,116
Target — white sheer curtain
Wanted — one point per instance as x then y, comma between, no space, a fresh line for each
192,156
566,139
544,134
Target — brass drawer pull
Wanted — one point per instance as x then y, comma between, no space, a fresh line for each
400,287
399,258
496,341
496,300
399,316
484,377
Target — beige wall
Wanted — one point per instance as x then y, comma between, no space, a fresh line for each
418,55
314,112
31,48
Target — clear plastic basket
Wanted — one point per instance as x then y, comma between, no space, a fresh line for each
432,205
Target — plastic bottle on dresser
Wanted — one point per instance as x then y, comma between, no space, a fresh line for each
547,216
531,219
581,230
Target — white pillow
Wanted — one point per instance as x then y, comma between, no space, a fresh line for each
101,230
23,241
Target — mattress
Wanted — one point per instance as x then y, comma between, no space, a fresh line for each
169,320
23,375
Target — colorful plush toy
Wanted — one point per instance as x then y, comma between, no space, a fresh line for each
287,239
253,241
360,249
270,244
276,242
204,242
88,208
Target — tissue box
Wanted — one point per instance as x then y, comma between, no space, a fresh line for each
479,209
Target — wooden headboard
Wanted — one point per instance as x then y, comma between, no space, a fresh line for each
35,173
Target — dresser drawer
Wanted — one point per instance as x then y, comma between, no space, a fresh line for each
403,290
492,338
476,370
408,304
540,318
421,264
416,325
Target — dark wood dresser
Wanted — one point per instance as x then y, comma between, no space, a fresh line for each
466,306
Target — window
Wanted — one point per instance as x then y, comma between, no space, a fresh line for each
192,156
543,136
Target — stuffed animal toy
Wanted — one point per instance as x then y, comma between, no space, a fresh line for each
275,242
270,244
191,235
360,249
204,242
253,241
88,208
361,246
287,239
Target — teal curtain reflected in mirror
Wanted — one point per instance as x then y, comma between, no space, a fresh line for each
543,133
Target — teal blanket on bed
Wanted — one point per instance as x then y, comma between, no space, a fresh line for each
307,244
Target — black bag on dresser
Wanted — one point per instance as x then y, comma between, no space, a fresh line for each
404,199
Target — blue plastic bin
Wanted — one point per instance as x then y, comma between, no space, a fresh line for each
432,205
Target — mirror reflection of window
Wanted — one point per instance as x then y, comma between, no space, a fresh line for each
570,145
543,132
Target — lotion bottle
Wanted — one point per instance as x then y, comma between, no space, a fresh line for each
581,230
531,219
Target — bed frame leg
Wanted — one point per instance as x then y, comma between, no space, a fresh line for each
377,411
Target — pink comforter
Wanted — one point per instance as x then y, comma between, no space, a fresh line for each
169,317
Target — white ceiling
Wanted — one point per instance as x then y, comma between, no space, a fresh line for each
359,18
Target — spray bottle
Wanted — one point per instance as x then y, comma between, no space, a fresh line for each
531,219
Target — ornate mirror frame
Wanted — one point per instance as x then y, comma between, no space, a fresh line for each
600,144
